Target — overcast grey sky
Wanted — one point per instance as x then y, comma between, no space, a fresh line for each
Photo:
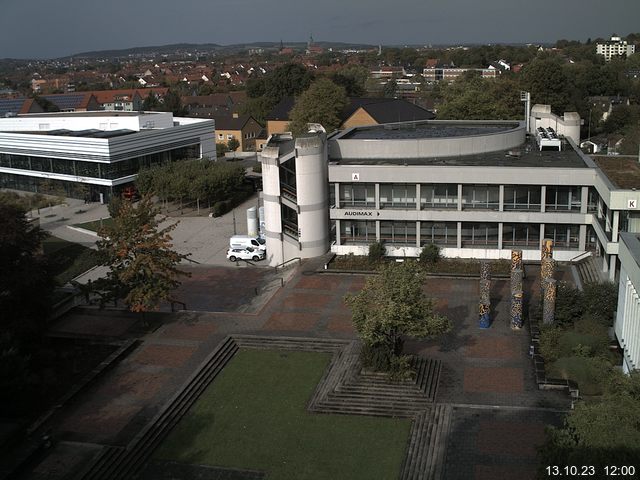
53,28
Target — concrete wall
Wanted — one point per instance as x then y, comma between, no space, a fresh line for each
627,321
427,147
312,195
567,125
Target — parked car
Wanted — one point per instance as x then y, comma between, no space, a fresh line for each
234,254
245,241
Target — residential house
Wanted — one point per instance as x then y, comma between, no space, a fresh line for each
243,128
359,112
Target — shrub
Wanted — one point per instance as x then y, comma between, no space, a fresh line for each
257,168
569,304
430,254
114,206
588,373
220,208
600,300
376,357
549,338
377,251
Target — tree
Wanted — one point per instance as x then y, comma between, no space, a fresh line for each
233,144
600,432
473,98
26,283
389,89
322,103
143,266
548,83
390,306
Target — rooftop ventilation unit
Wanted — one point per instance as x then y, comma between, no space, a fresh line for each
547,139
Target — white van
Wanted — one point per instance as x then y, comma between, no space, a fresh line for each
245,241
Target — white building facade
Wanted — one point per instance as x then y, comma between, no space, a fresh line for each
616,47
95,154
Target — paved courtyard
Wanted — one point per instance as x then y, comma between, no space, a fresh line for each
498,412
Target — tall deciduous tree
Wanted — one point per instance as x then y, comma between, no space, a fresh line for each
25,281
143,265
473,98
322,103
548,83
393,305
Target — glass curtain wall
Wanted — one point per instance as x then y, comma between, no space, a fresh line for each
522,197
441,233
482,197
481,235
361,195
438,196
357,232
398,195
398,233
520,235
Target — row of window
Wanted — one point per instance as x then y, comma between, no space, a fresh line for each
108,171
445,234
445,196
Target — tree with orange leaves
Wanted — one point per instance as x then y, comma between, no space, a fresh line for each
143,266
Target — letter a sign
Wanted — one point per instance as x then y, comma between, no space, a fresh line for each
632,204
355,177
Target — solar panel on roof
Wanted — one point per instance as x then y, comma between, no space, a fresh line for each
10,105
66,102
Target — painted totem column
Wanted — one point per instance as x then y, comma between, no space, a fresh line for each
549,302
516,298
485,295
547,272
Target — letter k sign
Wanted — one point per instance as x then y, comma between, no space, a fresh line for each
632,203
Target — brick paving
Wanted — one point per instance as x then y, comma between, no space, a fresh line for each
493,380
482,369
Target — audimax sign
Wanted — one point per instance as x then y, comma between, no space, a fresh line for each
361,213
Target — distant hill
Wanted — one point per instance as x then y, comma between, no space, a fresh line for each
207,47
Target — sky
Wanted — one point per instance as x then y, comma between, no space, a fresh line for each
55,28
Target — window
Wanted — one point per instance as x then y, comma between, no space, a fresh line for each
564,237
438,196
229,136
563,199
400,195
357,195
479,235
440,233
522,197
357,232
220,136
398,233
484,197
521,235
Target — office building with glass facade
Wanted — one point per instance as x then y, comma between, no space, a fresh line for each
94,154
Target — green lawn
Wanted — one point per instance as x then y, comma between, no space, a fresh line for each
253,417
95,225
67,259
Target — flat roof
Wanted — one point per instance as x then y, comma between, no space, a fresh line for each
527,155
88,133
90,113
428,129
623,172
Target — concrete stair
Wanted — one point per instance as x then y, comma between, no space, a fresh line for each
346,389
343,389
589,270
426,453
122,463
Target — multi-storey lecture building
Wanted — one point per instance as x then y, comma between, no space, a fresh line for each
476,188
94,154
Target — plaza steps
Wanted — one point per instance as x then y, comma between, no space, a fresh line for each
346,389
326,345
426,454
122,463
589,270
